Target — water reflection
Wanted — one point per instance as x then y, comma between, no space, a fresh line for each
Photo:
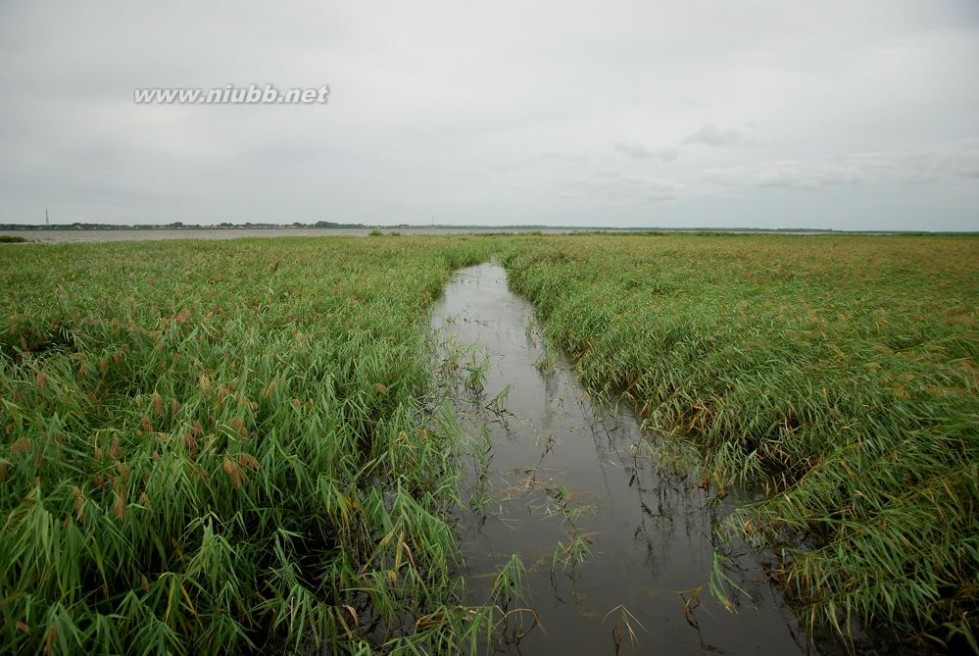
610,545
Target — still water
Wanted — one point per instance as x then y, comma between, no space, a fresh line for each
617,554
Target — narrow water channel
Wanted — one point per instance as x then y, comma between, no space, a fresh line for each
617,555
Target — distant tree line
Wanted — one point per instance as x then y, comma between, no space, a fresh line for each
178,225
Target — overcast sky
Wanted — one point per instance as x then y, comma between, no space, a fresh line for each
836,114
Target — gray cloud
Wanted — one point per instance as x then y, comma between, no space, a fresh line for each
638,151
806,175
923,165
616,190
712,136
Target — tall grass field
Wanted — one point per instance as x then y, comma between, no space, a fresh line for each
839,374
224,448
236,446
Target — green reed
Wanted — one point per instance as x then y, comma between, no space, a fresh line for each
241,446
226,447
839,374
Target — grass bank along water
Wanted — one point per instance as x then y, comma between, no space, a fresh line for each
223,447
605,552
839,374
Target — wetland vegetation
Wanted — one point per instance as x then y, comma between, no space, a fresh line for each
243,446
838,374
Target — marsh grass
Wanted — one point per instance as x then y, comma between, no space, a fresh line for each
840,375
243,446
547,361
227,447
624,630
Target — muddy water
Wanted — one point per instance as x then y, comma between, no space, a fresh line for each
550,470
